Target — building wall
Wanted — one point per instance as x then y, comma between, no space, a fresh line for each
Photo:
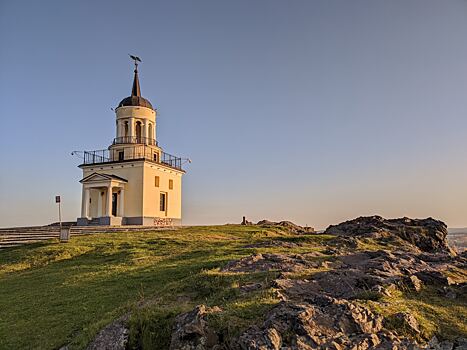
131,171
151,196
142,197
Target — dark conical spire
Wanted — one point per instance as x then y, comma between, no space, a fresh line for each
135,99
136,91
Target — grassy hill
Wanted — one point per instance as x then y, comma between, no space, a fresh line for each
54,294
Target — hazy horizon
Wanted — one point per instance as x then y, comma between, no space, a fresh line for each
310,111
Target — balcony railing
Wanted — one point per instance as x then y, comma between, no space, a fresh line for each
134,139
131,153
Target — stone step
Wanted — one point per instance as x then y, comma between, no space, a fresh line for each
2,233
9,246
26,238
29,234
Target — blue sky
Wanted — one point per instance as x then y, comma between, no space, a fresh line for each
312,111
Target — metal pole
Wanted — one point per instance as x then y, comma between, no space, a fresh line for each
60,213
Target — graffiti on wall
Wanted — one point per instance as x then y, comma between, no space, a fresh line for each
163,222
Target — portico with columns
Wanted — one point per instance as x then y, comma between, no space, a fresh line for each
133,181
108,192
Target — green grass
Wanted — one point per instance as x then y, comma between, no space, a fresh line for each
437,315
53,294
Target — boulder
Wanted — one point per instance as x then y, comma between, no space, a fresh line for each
191,331
431,277
428,235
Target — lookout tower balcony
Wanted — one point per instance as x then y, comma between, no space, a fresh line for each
132,153
134,140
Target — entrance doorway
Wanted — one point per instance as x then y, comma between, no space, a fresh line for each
114,204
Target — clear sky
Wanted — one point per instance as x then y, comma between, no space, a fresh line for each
311,111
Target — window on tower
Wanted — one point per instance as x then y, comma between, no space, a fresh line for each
171,184
156,181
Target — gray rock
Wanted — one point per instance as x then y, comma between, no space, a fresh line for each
408,322
191,331
328,323
431,277
112,337
415,283
268,262
460,344
446,345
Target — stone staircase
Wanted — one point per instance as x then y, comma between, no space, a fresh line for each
16,236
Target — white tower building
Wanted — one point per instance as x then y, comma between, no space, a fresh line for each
133,182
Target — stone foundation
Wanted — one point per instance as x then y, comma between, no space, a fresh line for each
137,220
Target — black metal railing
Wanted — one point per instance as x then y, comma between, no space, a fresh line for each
170,160
95,157
132,153
134,139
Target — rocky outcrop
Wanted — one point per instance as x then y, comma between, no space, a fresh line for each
324,323
191,331
428,235
324,310
269,262
273,244
287,225
321,323
369,273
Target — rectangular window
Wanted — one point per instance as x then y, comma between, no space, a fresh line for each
163,203
121,155
155,157
156,181
171,184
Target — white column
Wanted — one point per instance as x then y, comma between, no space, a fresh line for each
120,128
99,204
85,203
146,131
131,127
109,200
121,203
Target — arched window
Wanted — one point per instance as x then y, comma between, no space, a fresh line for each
126,129
138,132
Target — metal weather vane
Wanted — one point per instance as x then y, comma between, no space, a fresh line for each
136,59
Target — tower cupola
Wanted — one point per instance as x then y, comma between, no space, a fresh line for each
136,118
